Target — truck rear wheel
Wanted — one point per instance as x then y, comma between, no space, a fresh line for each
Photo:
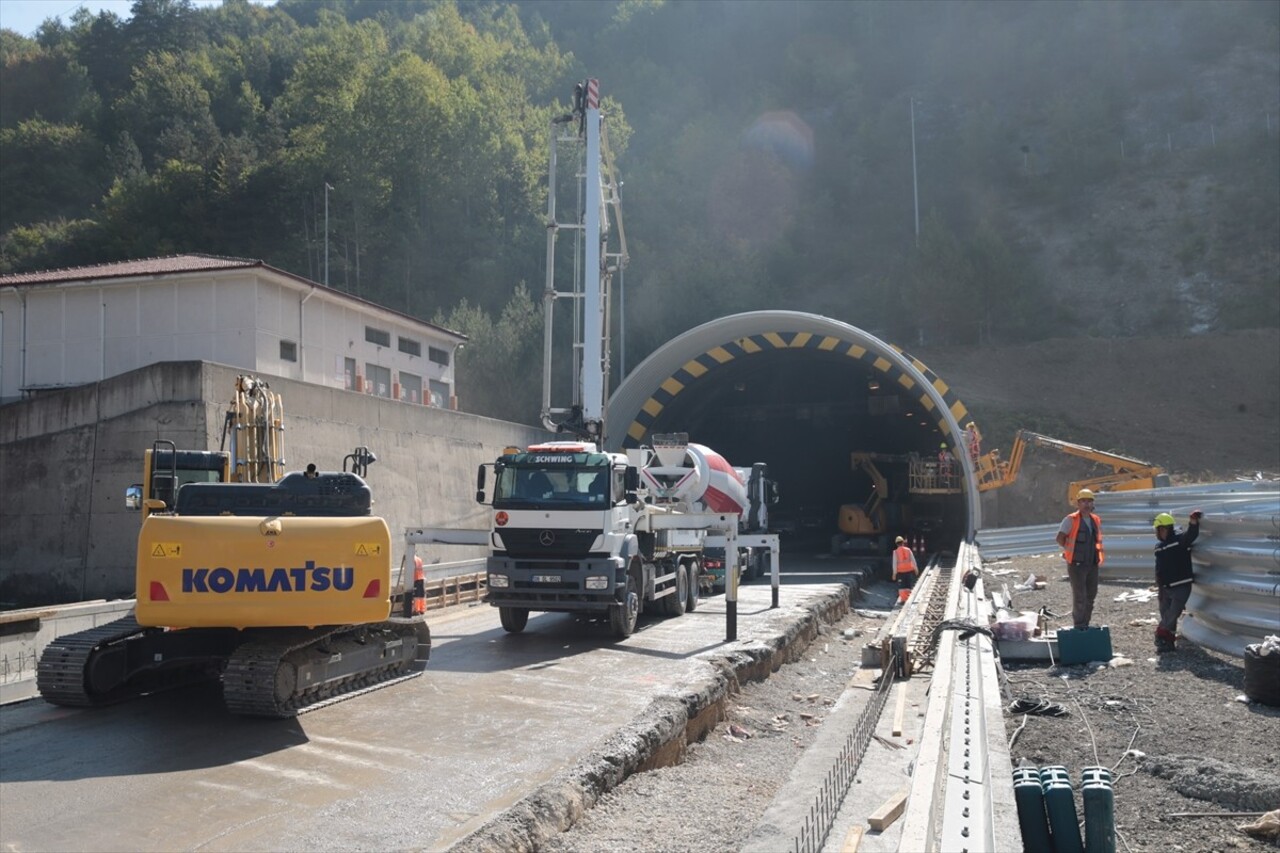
622,617
513,618
694,571
674,604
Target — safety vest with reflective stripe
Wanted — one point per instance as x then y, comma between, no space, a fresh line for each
903,560
1070,548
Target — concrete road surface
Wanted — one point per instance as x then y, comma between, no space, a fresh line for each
416,765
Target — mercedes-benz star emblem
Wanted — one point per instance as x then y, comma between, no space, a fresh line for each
546,538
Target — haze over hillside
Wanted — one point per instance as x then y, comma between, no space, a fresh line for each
1081,169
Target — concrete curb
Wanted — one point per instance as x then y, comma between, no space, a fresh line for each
657,736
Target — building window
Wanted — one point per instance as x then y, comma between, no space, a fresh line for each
381,337
439,394
410,387
410,346
288,351
438,356
378,380
349,374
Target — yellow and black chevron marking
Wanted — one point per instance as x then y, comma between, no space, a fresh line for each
697,367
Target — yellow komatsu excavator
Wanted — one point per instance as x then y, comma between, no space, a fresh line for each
1126,473
282,589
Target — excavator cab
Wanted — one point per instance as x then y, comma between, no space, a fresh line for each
166,469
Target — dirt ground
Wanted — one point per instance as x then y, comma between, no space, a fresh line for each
1174,729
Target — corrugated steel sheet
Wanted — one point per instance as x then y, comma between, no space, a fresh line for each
1236,596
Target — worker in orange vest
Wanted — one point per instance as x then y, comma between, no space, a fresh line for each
905,569
1080,537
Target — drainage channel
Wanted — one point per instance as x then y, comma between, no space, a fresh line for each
961,794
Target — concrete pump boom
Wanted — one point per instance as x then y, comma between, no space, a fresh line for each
598,191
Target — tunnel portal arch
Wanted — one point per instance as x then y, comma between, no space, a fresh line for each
669,389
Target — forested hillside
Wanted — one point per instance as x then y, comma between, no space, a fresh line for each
1101,168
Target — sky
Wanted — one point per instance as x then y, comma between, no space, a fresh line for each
25,16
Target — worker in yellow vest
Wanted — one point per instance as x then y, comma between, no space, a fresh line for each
905,569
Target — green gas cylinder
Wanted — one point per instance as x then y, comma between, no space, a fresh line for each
1029,796
1060,803
1099,810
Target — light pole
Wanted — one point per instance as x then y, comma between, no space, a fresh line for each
915,184
326,232
622,322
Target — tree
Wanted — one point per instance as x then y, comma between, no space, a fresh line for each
168,109
501,364
47,171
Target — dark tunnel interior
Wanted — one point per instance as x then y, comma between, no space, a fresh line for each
805,413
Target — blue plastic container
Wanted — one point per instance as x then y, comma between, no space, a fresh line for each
1083,646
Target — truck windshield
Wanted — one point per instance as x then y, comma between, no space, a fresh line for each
564,487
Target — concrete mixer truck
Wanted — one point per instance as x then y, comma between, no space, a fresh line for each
607,535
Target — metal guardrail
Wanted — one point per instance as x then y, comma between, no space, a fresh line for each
1235,599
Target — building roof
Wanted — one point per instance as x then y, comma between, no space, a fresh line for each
123,269
179,264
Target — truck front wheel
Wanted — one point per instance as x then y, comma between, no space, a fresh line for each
513,618
622,617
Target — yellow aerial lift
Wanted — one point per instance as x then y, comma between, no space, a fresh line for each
1126,473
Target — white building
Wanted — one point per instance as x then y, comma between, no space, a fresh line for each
60,328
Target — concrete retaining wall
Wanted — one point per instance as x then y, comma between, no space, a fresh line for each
67,457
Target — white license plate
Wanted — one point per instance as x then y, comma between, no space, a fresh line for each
546,579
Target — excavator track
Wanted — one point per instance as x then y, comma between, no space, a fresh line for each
292,672
111,663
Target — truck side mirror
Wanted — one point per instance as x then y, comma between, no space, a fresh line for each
133,497
630,483
480,477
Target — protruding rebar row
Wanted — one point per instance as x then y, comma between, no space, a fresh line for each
835,784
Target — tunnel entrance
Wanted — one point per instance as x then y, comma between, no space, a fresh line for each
841,418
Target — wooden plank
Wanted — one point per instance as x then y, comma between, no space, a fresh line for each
900,711
883,817
852,840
